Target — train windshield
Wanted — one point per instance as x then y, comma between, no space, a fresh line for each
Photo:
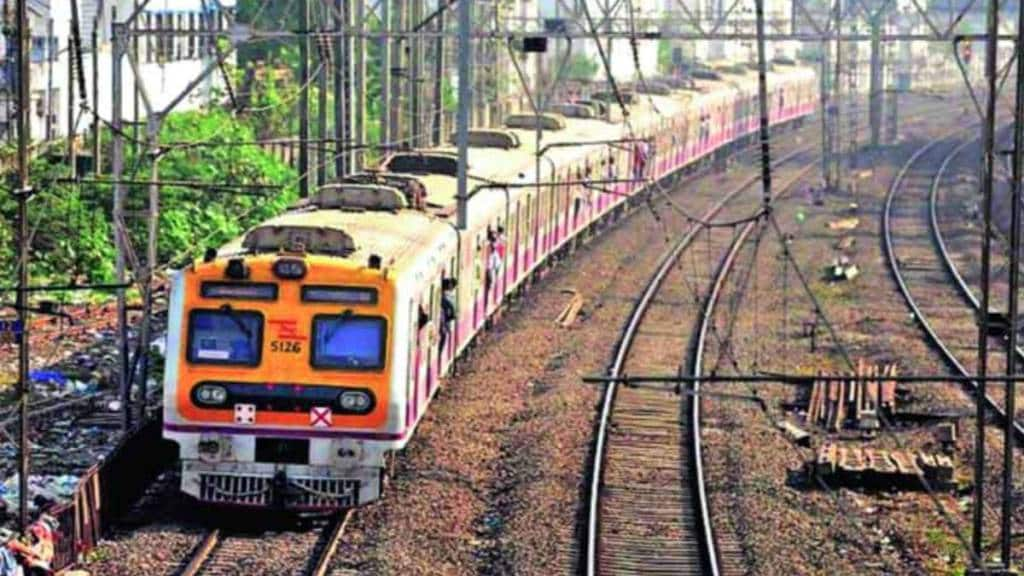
349,342
225,336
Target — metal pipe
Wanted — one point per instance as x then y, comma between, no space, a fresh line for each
465,101
24,385
304,103
988,167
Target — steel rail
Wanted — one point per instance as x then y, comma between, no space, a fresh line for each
697,366
202,553
894,266
947,260
321,560
622,351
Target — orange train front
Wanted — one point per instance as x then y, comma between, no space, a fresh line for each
302,353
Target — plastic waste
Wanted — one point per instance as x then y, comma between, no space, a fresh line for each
48,377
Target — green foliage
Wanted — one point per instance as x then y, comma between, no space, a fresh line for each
194,219
72,238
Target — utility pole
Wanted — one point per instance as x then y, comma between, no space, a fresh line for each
824,88
136,89
762,98
834,171
875,96
96,160
438,97
386,128
48,51
304,101
988,173
465,101
342,12
853,102
1013,312
146,273
72,52
323,50
120,233
415,80
22,193
359,87
398,68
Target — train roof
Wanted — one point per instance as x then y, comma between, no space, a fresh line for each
396,236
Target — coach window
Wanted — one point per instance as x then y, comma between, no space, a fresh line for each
349,342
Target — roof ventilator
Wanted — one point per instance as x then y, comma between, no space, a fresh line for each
487,138
293,238
410,186
421,162
654,87
372,197
609,96
545,121
574,110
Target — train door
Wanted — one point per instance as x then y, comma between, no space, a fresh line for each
478,280
514,236
448,318
534,231
420,335
433,337
412,365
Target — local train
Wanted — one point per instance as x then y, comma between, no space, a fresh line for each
302,353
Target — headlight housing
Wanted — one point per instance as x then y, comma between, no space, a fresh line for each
355,402
210,395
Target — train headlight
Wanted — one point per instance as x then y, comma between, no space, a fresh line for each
355,401
210,395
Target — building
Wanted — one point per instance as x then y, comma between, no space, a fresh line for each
166,64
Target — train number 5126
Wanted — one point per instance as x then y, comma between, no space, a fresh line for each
285,346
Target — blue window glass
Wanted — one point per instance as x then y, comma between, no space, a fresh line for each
225,337
349,342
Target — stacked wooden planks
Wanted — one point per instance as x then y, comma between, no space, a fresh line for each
870,467
856,400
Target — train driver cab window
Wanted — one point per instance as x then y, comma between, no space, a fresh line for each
349,342
225,336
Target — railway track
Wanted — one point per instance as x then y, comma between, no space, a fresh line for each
228,553
648,509
922,266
